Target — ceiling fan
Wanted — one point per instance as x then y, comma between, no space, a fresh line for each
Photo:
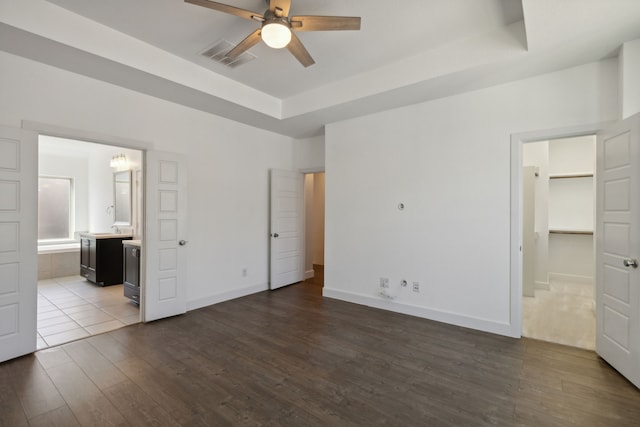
278,28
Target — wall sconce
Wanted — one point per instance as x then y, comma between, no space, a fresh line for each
119,162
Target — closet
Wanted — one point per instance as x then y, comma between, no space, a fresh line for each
571,209
559,261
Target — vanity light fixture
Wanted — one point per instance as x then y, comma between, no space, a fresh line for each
119,162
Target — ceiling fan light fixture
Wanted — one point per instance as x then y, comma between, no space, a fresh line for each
276,34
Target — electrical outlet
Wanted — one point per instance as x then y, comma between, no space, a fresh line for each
244,272
384,282
416,286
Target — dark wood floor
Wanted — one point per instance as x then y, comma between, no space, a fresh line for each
290,357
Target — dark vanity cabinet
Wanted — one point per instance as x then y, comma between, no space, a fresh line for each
131,270
101,258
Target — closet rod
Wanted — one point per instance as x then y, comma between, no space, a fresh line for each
582,232
572,175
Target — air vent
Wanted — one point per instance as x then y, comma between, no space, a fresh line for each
218,51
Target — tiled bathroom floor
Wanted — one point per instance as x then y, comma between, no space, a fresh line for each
71,307
564,314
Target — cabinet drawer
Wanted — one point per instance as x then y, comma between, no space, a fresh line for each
132,292
88,273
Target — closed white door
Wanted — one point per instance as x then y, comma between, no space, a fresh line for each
287,232
618,247
18,237
165,281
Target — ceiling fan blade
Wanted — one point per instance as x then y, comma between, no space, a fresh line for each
242,13
324,23
296,47
245,44
280,8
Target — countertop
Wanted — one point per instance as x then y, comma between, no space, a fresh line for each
104,235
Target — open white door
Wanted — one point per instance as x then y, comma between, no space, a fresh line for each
165,284
18,242
618,247
287,228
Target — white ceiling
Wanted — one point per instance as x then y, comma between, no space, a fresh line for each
186,30
419,50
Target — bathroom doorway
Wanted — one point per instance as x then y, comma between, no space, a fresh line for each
85,189
558,244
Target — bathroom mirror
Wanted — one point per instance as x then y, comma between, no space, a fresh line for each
122,198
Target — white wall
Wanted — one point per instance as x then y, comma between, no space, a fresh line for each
101,184
228,165
308,154
572,207
448,161
571,257
89,164
630,78
572,155
563,204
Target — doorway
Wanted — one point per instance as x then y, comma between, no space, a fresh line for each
85,188
558,191
314,196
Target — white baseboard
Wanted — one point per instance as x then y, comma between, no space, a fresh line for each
309,274
485,325
542,285
226,296
587,280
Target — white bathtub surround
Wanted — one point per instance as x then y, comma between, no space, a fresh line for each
58,260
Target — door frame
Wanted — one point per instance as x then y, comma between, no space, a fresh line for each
303,171
97,138
515,270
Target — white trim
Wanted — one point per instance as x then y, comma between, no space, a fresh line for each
587,280
311,171
500,328
226,296
544,286
517,140
94,137
105,139
60,248
309,274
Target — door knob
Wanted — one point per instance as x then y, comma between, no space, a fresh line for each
182,242
276,235
630,263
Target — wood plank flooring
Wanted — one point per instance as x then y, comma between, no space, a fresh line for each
290,357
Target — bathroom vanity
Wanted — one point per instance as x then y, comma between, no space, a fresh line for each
131,269
101,257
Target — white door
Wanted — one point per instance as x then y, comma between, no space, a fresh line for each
165,292
287,232
18,242
618,247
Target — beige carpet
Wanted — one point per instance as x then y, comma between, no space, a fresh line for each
564,314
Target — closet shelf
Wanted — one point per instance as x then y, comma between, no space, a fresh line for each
571,175
566,231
